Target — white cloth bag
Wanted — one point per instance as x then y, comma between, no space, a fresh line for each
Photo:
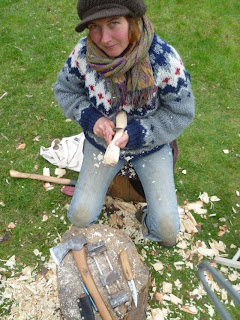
66,153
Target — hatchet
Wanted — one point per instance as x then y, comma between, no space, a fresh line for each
75,244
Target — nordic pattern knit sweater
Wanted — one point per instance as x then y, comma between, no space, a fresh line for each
84,97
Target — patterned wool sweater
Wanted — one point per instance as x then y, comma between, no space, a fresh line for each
84,97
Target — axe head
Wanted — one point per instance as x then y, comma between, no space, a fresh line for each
74,243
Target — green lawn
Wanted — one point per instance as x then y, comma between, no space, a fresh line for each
36,38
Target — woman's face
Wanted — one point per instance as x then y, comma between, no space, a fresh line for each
110,34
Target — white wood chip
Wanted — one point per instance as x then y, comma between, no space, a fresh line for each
158,266
11,262
60,172
46,172
167,287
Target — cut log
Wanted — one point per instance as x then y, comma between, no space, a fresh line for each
69,284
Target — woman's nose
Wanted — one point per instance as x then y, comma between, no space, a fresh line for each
106,36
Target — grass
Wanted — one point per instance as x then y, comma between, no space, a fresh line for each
36,38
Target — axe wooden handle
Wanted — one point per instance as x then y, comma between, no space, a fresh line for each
16,174
81,261
112,153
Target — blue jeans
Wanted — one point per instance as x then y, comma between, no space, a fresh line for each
161,221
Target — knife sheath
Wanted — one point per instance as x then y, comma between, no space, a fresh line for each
85,308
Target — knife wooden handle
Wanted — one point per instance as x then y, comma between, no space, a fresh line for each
126,267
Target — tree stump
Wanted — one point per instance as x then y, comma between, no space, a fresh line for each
69,280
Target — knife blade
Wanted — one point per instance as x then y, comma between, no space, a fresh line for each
127,271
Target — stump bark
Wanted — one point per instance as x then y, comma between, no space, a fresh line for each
69,281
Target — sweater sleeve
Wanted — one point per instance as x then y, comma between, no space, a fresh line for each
70,94
175,105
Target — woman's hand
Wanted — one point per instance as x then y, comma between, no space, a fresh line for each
103,128
122,142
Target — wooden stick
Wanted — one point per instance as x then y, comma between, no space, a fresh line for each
112,153
16,174
81,261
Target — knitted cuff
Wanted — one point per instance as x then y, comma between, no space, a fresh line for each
136,133
89,117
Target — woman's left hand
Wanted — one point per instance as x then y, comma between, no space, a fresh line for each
122,142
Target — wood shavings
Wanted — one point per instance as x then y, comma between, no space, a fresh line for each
34,297
178,284
158,266
218,246
36,252
234,276
222,230
60,172
190,309
46,172
48,186
204,197
171,297
158,314
11,262
167,287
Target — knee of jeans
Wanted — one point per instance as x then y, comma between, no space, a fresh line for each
168,230
81,217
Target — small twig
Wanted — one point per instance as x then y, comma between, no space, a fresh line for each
3,95
4,136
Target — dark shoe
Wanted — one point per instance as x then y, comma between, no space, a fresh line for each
139,214
166,244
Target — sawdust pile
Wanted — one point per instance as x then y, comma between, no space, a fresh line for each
34,296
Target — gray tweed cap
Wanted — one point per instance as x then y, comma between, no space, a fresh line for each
89,10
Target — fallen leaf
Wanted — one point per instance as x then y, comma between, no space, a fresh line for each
11,225
45,218
36,139
222,230
20,146
159,296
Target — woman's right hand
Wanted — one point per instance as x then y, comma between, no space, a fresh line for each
103,128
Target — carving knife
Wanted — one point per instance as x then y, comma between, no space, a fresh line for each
127,271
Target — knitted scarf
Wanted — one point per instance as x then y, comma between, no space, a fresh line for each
130,76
